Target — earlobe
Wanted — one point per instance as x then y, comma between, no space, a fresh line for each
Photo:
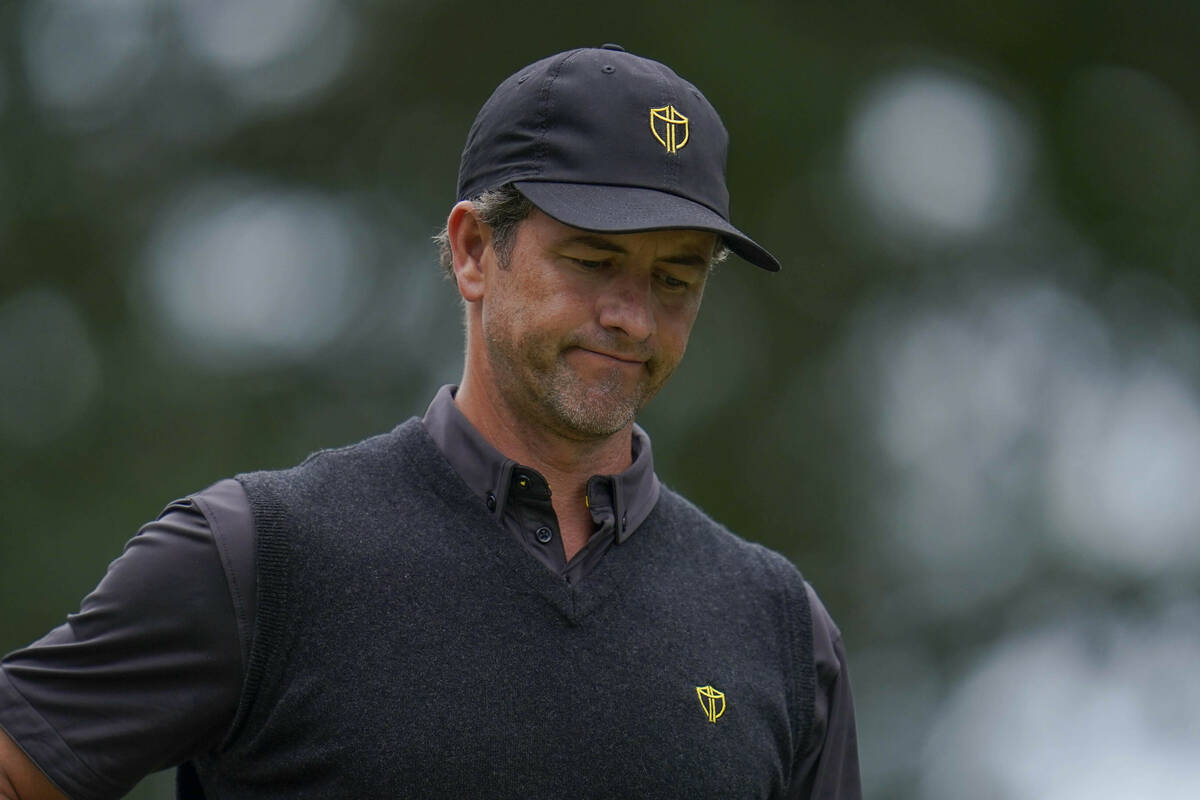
470,241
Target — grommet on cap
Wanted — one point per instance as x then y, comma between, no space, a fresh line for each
611,46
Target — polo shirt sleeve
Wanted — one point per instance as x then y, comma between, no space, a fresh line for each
148,673
829,771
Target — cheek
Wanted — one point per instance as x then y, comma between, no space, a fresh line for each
496,316
675,328
557,311
526,319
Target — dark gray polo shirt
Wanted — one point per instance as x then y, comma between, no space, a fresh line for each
148,673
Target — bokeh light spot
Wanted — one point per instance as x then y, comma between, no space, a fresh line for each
241,276
269,51
86,60
1125,473
1013,416
933,156
1096,710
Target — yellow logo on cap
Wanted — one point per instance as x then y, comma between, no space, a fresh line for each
673,125
712,701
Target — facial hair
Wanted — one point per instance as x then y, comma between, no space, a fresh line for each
533,374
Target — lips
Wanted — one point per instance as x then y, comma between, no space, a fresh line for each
623,358
626,358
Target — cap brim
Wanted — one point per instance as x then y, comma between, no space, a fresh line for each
628,209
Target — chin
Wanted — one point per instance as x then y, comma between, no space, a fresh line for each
598,413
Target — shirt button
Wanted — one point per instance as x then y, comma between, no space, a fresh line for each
544,534
491,502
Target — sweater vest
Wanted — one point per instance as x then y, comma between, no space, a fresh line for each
407,646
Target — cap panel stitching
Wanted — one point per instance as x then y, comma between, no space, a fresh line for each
546,111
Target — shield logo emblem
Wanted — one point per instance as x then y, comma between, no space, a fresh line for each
712,701
669,127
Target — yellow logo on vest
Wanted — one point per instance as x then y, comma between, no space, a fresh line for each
712,701
669,127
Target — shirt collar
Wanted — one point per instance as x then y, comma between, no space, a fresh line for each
630,494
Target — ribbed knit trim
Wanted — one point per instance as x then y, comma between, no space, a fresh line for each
803,671
273,555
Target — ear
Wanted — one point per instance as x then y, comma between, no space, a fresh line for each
471,246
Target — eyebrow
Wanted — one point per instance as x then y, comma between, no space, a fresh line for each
607,245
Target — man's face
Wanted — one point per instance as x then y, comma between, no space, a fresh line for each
583,328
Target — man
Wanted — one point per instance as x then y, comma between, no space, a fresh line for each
499,599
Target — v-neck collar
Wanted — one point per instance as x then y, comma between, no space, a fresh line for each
627,496
575,602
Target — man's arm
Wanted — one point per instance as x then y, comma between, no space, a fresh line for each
146,675
829,771
20,779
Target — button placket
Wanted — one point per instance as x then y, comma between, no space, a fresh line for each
531,497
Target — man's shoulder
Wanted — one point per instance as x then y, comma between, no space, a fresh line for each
710,542
375,458
752,588
377,446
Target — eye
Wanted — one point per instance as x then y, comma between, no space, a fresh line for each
589,264
671,282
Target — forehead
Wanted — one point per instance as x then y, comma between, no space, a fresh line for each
544,229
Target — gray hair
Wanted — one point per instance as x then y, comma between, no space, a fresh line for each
502,210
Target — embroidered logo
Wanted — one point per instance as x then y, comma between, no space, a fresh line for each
669,127
712,701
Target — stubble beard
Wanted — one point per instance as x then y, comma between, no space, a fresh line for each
537,380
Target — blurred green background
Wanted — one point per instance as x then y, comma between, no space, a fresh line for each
968,408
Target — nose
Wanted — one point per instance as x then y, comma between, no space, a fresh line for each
627,306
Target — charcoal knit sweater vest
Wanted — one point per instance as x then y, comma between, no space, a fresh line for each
408,647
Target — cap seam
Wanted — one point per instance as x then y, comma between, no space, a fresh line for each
545,103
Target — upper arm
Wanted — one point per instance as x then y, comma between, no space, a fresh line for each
145,676
830,767
20,779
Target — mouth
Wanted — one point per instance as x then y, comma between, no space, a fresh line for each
614,358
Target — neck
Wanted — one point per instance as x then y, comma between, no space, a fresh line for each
566,462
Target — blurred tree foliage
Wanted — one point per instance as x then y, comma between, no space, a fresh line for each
83,193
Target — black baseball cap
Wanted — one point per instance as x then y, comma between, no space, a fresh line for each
607,141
